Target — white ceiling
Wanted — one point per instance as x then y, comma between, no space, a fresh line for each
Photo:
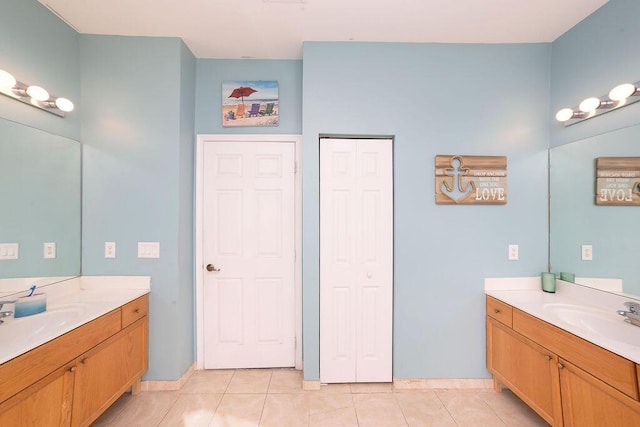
275,29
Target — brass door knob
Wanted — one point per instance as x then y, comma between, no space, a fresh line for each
211,267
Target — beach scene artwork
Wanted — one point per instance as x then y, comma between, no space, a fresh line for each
250,103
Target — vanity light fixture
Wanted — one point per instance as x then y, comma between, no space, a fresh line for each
620,96
33,95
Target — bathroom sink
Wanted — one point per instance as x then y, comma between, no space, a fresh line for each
32,328
595,321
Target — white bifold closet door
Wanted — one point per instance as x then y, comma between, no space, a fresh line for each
356,260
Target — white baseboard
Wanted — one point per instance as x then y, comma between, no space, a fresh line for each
168,385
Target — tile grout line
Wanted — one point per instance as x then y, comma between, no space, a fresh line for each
266,395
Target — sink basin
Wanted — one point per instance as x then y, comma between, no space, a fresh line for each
32,328
595,321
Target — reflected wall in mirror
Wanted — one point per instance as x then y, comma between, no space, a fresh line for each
39,201
575,219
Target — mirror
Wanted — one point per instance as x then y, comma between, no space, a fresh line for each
575,219
39,203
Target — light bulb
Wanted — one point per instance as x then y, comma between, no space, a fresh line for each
622,91
7,81
64,104
589,104
37,93
564,114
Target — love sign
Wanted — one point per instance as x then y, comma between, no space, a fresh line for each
618,181
471,180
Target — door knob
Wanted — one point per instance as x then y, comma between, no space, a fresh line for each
211,267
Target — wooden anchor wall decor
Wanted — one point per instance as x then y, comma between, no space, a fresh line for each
618,181
471,180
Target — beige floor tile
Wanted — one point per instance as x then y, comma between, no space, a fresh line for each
285,410
109,416
192,410
333,388
286,381
208,381
378,409
344,417
250,381
146,409
511,410
424,409
468,409
327,402
239,410
371,387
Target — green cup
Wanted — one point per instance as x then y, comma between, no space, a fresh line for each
548,282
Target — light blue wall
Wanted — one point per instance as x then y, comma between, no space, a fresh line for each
599,53
137,173
435,99
212,72
38,48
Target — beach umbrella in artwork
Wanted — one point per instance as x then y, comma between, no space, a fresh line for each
241,92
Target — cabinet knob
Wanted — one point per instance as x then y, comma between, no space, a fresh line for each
560,366
496,311
136,311
72,369
83,361
548,357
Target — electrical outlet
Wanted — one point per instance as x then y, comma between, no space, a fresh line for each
587,253
49,250
109,249
513,252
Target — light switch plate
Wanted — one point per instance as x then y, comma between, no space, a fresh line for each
9,250
109,249
148,249
49,250
587,253
513,252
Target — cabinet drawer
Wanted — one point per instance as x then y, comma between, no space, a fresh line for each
135,310
614,370
500,311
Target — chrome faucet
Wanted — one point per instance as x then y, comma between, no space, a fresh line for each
632,314
5,313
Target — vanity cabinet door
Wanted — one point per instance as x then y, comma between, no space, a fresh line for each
107,371
45,403
589,402
527,369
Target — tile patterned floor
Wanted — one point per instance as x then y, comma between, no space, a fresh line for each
266,397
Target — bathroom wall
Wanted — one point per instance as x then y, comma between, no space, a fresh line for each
137,134
212,72
590,59
435,99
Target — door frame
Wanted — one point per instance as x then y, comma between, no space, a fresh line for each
201,140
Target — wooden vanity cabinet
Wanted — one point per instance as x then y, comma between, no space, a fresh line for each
527,369
72,379
45,403
568,381
589,402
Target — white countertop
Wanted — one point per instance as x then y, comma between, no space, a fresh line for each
70,303
613,334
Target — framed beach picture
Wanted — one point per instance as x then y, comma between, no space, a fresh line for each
250,103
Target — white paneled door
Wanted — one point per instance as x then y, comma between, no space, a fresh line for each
356,260
248,253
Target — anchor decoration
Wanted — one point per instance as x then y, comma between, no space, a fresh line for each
617,181
471,180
